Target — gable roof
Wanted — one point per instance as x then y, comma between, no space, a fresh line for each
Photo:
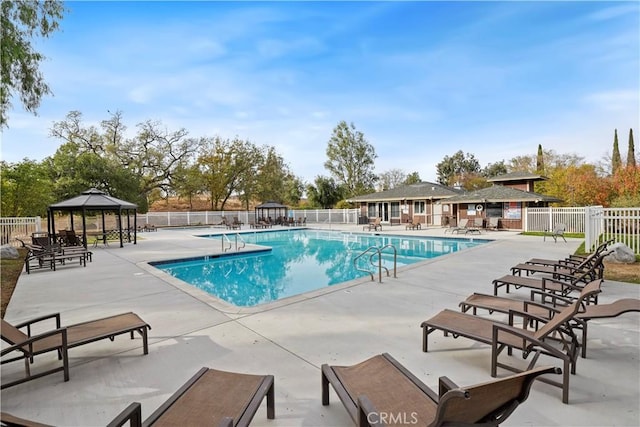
517,176
500,193
422,190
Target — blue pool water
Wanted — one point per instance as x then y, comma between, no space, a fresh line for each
297,261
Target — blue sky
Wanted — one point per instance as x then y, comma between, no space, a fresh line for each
421,80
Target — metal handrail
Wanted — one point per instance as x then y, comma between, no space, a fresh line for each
373,251
224,237
231,244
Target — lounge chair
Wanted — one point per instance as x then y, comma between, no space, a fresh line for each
380,390
548,306
565,285
374,225
574,260
555,338
413,225
558,231
212,398
220,222
593,266
492,223
462,226
39,257
63,338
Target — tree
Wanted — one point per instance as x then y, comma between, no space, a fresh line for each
392,178
625,187
274,178
325,194
351,160
22,21
229,167
294,188
631,154
26,189
540,161
453,169
152,156
412,178
615,158
494,169
188,182
72,171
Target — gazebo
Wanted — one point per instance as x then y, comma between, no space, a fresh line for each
278,209
95,200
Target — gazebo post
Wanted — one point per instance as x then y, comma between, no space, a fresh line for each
84,228
104,225
51,224
120,226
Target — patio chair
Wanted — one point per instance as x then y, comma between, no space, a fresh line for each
555,338
473,226
566,285
61,339
374,225
548,306
593,266
572,259
380,390
462,225
492,223
557,231
413,225
210,397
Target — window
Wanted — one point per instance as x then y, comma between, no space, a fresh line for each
371,210
395,209
418,207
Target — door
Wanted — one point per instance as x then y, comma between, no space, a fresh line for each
383,211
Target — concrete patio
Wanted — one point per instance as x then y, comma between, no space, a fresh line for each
291,339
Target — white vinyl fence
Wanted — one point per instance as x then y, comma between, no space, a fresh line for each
12,227
185,219
598,224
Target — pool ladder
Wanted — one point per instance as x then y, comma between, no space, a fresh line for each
226,239
372,252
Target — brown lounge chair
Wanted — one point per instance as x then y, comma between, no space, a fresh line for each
564,285
211,397
593,265
555,338
61,339
497,304
380,391
573,260
374,225
413,226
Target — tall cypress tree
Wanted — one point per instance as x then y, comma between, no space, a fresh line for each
540,161
631,155
615,158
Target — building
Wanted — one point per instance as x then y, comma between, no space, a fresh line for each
435,204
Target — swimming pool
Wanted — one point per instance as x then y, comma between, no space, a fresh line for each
293,262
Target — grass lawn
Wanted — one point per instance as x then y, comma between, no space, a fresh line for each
10,270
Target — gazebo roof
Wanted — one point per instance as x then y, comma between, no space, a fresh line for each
93,199
271,205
